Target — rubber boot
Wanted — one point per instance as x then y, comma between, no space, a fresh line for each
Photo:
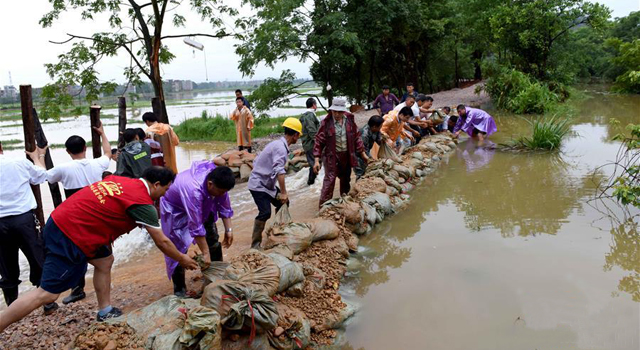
77,294
179,283
10,295
256,237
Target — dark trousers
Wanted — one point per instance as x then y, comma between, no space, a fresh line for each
342,171
18,232
264,201
311,160
215,252
361,168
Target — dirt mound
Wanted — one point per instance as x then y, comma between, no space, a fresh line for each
103,336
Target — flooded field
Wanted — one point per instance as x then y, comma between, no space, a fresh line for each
507,251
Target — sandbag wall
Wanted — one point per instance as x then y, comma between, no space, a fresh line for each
241,162
286,296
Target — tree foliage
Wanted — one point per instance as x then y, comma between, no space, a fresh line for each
136,29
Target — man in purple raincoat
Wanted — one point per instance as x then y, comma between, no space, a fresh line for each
189,211
475,122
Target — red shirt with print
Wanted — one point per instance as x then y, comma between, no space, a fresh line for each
97,214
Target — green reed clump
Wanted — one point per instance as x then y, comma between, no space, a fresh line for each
547,134
219,128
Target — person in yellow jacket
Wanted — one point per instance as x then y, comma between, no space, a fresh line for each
244,123
155,131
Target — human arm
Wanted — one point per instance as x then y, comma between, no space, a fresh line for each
174,137
106,147
376,103
395,100
283,196
223,207
318,146
411,130
37,171
249,119
169,249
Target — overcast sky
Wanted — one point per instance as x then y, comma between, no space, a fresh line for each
26,47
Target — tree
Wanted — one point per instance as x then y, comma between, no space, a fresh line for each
527,30
136,29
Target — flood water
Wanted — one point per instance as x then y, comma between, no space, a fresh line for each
507,251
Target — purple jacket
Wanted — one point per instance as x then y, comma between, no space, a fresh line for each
187,205
386,104
325,143
476,119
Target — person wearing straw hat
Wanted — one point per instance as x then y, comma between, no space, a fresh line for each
338,143
269,171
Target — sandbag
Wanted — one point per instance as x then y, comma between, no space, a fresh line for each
296,236
219,161
352,241
323,229
215,271
297,160
290,272
235,160
255,269
201,320
430,146
403,171
380,201
386,152
369,185
163,322
393,183
245,172
296,291
245,342
293,331
314,276
351,210
333,321
231,300
371,214
417,155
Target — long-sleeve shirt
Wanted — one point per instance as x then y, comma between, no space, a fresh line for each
325,144
369,138
187,205
476,119
406,94
244,123
267,166
385,103
310,124
392,127
16,175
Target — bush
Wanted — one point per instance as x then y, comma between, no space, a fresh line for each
219,128
628,60
547,134
519,93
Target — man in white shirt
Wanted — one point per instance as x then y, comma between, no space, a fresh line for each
17,222
410,126
78,174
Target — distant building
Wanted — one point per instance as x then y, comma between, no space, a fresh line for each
187,85
176,86
10,91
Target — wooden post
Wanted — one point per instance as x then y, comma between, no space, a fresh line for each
26,102
168,149
122,120
94,115
41,141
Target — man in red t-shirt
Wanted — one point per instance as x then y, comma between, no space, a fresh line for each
80,228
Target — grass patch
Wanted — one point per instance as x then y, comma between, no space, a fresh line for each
546,135
219,128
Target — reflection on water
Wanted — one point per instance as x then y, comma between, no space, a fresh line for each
499,251
625,253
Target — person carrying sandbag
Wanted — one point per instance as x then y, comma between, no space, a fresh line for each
189,210
269,170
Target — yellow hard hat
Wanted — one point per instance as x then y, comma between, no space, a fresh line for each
293,124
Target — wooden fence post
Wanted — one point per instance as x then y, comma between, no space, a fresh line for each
94,116
41,141
122,120
26,102
168,149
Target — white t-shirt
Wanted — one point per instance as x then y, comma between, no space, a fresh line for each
16,174
414,108
79,173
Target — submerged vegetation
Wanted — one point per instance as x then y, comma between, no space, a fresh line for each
547,134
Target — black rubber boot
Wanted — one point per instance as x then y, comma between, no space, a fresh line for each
179,283
256,237
50,308
10,295
77,294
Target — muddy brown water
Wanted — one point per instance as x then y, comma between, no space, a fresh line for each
507,251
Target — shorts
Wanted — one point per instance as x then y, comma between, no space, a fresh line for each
64,263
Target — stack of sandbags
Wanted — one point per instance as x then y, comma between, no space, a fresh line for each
240,162
297,161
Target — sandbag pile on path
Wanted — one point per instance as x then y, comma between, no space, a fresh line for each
241,162
286,295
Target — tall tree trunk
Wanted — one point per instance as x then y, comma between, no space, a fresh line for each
372,58
456,78
477,59
156,80
358,81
